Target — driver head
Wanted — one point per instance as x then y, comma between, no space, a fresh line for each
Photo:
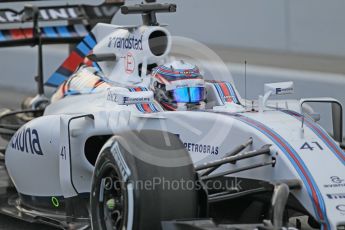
178,85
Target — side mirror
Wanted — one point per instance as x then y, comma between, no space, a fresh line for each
279,88
315,116
337,114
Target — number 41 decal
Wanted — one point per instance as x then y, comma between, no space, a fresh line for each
311,145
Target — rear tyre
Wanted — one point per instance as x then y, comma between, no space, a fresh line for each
130,193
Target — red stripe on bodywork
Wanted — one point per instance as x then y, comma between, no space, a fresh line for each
73,61
147,108
28,33
314,195
226,92
17,34
321,133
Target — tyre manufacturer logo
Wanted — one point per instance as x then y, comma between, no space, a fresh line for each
124,170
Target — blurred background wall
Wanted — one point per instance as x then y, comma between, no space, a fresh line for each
299,40
297,26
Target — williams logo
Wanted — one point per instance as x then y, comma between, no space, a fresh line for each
27,140
129,43
282,91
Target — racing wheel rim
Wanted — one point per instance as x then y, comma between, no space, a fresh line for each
112,199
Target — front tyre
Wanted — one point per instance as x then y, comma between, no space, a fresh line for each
126,193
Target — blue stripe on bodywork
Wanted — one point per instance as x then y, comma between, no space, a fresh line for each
59,76
2,37
63,31
153,107
140,108
232,92
83,48
90,41
320,133
50,32
275,137
220,92
56,79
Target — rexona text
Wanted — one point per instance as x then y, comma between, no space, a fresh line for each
27,140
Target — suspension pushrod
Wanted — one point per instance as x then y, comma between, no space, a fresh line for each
264,150
258,165
234,152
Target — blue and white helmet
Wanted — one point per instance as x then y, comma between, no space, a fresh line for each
178,85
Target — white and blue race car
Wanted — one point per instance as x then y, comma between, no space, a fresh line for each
114,158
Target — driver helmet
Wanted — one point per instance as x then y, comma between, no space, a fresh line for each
178,85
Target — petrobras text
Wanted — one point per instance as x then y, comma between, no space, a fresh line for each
200,148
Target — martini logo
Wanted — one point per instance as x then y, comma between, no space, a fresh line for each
64,13
45,14
128,43
27,140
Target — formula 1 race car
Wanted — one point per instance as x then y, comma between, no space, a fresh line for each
115,158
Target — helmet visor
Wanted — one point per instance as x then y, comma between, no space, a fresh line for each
188,94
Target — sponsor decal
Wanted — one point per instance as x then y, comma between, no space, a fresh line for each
336,196
111,96
336,179
124,170
126,100
130,100
64,13
336,182
341,208
202,148
129,43
27,140
129,63
45,14
283,91
311,146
